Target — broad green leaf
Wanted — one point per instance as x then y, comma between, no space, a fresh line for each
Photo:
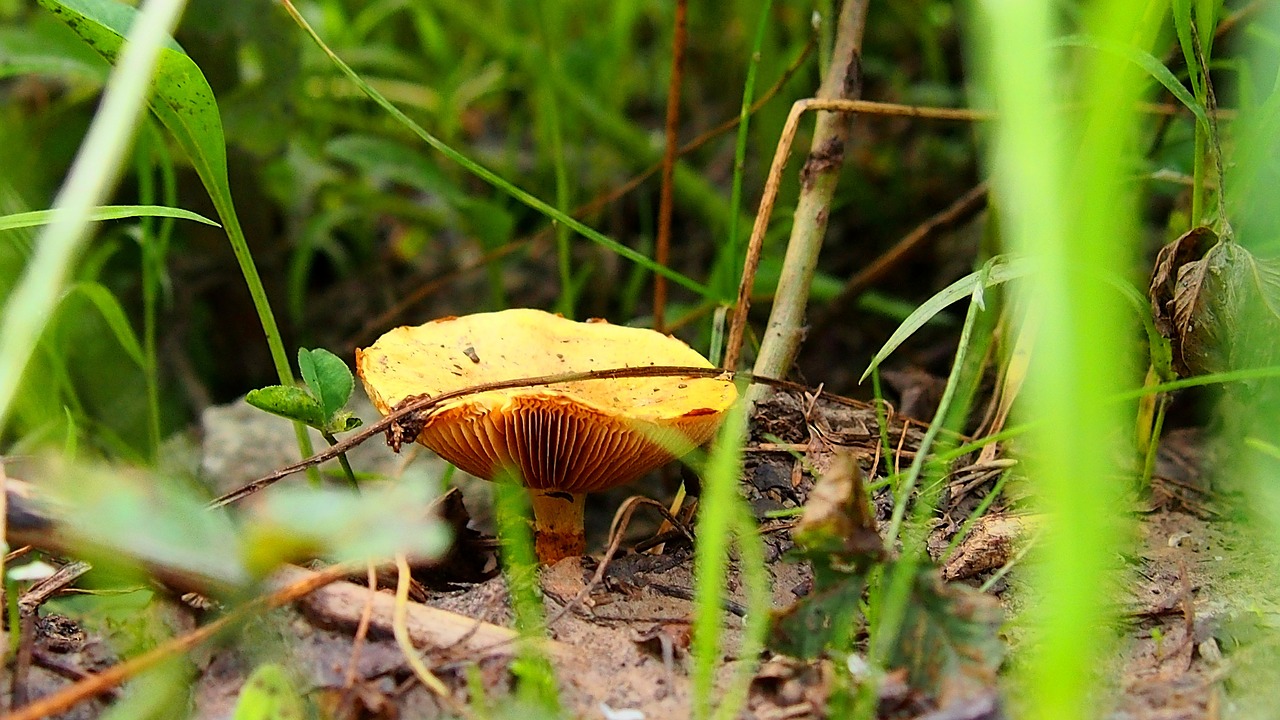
289,402
180,97
338,524
109,307
328,377
1000,271
268,695
104,212
131,517
1148,62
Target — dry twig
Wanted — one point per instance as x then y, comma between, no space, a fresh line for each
399,626
662,246
737,329
417,408
99,683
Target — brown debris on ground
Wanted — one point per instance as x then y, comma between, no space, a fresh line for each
625,646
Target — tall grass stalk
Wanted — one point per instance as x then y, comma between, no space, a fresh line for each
754,571
718,513
733,255
95,169
153,242
889,598
1078,219
537,681
549,109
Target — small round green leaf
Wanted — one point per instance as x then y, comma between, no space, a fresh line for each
328,377
290,402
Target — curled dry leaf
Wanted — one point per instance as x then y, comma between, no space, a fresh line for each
837,535
838,516
1188,248
1220,311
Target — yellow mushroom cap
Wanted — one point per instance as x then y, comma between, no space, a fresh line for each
576,437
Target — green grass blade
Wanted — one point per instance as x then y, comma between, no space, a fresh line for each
1150,64
94,170
1182,24
716,518
734,254
906,488
1001,271
549,111
537,682
1066,201
184,102
104,212
493,178
114,315
754,571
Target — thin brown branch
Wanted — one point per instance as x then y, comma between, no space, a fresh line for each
99,683
421,406
400,628
662,246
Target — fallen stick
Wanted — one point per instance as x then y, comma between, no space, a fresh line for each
342,603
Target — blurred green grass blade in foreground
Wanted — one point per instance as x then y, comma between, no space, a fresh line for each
105,212
97,164
1062,190
183,101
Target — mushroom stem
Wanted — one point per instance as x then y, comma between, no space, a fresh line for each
557,525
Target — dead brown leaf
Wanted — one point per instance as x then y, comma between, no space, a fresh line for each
838,515
991,543
1188,248
1221,311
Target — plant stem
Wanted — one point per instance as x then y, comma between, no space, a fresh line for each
557,521
342,460
662,247
817,186
550,108
732,259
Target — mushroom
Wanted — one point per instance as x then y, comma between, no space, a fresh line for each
561,441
